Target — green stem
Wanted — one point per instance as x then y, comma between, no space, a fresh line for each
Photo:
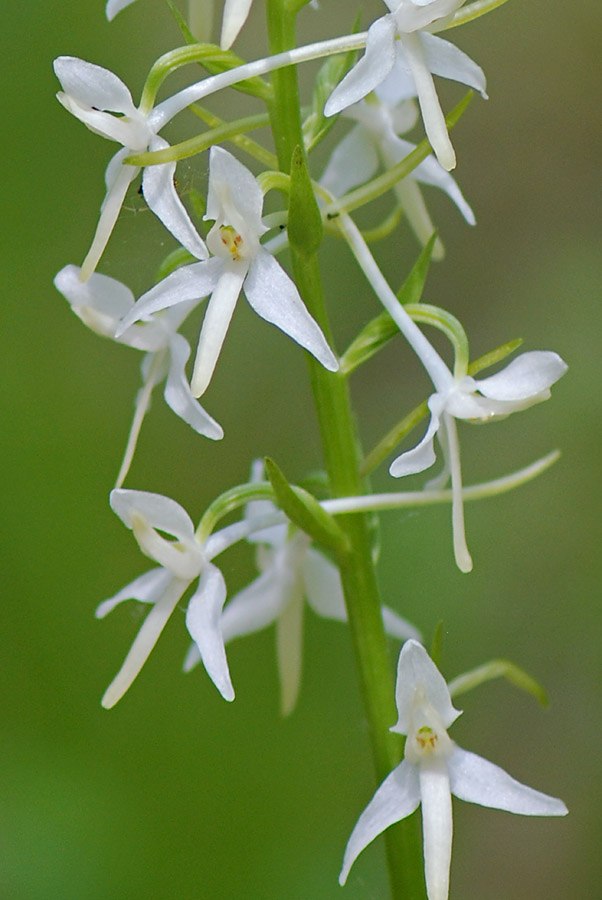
343,457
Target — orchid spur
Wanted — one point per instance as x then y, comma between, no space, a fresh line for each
235,203
100,100
401,39
433,769
101,303
181,562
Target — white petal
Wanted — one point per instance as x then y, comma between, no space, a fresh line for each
151,375
99,302
146,588
289,650
461,552
91,85
115,6
192,658
431,172
215,324
447,61
414,209
162,198
185,284
370,71
396,798
525,377
234,196
422,456
399,85
235,16
275,298
476,780
255,607
144,642
412,15
159,511
178,395
352,162
203,622
323,586
398,627
437,827
131,132
415,667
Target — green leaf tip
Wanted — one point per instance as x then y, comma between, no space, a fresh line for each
305,221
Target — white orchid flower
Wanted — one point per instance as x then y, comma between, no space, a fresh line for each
100,100
181,562
523,383
375,141
240,262
236,13
400,38
291,572
101,303
433,769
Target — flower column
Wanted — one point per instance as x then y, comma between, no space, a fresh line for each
342,457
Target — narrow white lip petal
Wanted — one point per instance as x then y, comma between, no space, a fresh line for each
399,85
115,6
431,172
422,456
396,798
289,649
415,667
192,658
398,627
414,209
162,198
159,511
193,282
233,193
527,376
144,642
370,71
447,61
111,207
461,552
353,161
152,375
178,395
323,587
477,780
203,622
432,115
255,607
92,85
146,588
215,324
437,826
274,297
235,16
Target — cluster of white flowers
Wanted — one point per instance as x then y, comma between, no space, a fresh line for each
235,254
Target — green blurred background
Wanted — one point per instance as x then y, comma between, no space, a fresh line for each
174,793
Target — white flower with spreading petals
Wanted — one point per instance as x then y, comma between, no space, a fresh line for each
101,303
181,562
524,382
400,38
375,141
236,13
100,100
291,571
240,262
434,768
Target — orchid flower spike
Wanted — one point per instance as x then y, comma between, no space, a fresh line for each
524,382
181,562
374,141
239,263
101,303
433,769
291,572
403,38
100,100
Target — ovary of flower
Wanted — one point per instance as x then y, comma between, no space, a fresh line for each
291,572
181,562
100,100
101,303
400,38
375,140
235,204
434,768
524,382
